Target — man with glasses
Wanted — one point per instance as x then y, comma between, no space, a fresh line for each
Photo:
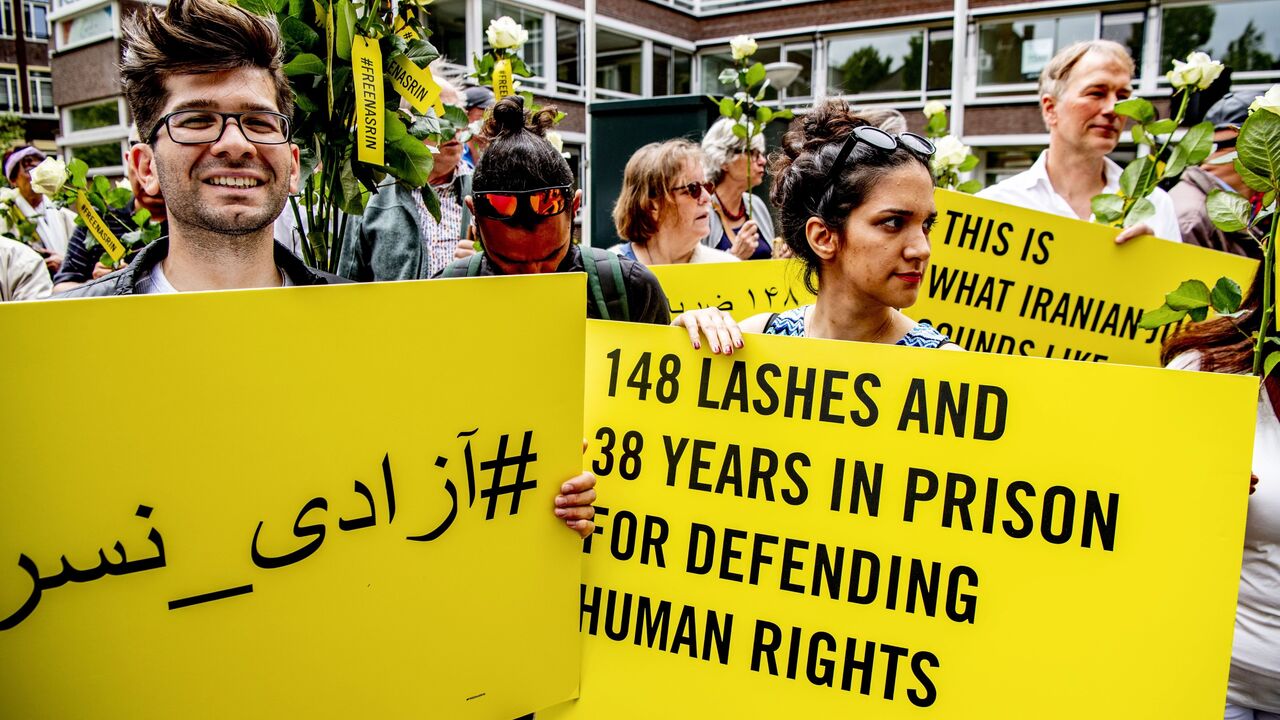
205,85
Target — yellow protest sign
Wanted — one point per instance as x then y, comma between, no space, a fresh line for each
826,529
741,289
98,228
404,30
504,79
415,85
301,508
366,58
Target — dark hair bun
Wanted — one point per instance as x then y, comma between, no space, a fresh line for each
508,118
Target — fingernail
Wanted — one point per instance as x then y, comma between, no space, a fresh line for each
561,512
697,345
559,500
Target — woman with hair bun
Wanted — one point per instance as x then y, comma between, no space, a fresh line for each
855,206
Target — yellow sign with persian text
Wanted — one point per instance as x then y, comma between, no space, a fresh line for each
1002,279
297,510
366,59
815,528
98,228
415,85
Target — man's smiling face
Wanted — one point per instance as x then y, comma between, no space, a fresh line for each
232,186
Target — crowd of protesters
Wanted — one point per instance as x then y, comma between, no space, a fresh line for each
851,194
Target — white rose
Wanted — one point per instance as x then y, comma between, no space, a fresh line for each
7,196
49,176
1198,72
124,185
1270,101
950,153
743,47
933,107
506,33
556,141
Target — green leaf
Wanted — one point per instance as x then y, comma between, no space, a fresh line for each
1198,314
142,217
1161,127
728,76
740,131
1251,178
1107,208
394,126
1228,211
764,115
422,53
1160,317
937,125
409,161
1137,108
456,115
970,162
1191,294
969,186
432,201
299,37
101,186
1177,162
783,115
304,103
1259,145
78,170
727,106
1132,175
755,74
344,21
1140,136
1140,212
119,197
1226,296
1198,143
304,64
1269,364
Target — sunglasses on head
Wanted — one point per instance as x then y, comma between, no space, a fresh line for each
695,189
881,140
507,204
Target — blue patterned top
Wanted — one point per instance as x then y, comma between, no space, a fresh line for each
791,323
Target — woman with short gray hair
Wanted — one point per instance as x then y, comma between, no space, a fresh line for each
728,164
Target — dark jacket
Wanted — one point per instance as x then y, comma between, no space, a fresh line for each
1189,197
647,301
386,243
125,280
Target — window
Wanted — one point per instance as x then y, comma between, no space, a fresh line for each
85,28
36,19
6,20
618,65
568,55
40,85
531,21
1015,51
1128,29
1234,32
891,64
672,71
88,117
447,21
10,100
102,155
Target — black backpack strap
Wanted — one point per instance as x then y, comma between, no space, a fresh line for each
471,268
594,290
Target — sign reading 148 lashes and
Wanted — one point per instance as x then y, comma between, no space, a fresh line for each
286,503
1001,279
814,528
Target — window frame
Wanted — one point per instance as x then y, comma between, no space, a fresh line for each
15,87
36,74
28,23
909,97
1240,79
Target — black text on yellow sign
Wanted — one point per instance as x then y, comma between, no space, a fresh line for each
366,56
404,30
415,85
504,83
98,228
821,528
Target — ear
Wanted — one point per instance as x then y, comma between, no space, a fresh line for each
823,240
1049,110
295,171
471,206
142,161
577,203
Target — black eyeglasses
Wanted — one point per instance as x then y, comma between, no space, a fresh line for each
695,189
881,140
506,204
201,127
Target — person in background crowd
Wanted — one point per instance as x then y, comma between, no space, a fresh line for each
664,208
54,225
23,275
524,204
856,206
397,238
82,265
1079,89
728,164
1224,345
204,82
479,100
1193,188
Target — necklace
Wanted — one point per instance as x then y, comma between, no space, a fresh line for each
742,211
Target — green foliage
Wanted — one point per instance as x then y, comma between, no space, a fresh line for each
1108,208
1139,109
1228,211
1226,296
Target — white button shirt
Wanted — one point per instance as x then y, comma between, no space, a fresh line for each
1033,190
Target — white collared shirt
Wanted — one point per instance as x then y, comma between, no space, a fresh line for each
1033,190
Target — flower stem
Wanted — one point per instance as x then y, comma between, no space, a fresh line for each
1268,300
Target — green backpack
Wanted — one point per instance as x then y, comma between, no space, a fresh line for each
611,302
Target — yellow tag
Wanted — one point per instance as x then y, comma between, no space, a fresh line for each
415,85
100,231
366,58
401,28
503,79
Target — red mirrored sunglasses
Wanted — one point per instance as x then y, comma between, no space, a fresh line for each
506,204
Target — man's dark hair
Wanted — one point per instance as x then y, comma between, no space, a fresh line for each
193,37
519,157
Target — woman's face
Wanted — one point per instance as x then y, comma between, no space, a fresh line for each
736,168
683,217
883,249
